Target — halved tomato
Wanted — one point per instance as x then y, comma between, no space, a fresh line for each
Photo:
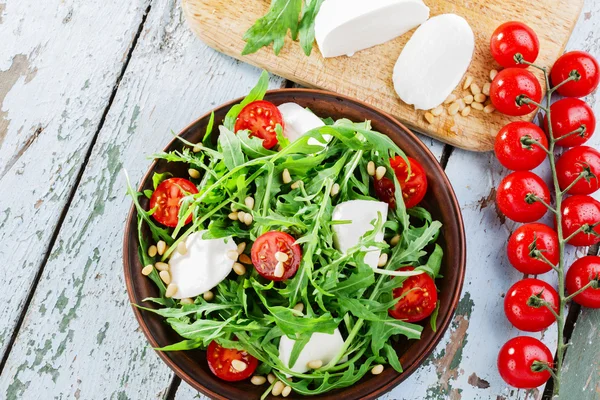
264,255
167,198
221,363
418,298
260,118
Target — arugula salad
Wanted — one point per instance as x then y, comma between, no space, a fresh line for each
295,251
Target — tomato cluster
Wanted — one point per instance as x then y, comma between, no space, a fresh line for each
531,305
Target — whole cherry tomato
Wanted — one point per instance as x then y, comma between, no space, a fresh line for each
510,86
260,118
528,238
580,274
578,211
514,152
264,253
587,69
569,115
166,200
530,318
516,358
513,38
220,362
418,298
516,196
572,163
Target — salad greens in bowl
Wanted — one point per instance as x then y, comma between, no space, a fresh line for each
294,243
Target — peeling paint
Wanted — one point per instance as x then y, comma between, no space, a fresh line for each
477,382
2,8
102,334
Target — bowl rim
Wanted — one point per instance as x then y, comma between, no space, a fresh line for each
454,205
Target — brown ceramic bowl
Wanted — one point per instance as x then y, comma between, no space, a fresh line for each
440,200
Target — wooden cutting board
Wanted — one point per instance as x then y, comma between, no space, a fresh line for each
367,75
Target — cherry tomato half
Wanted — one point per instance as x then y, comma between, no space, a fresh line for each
511,38
419,298
264,252
512,150
516,358
585,65
509,85
580,274
528,318
414,187
385,191
569,115
577,211
570,165
520,246
220,359
167,198
514,196
260,118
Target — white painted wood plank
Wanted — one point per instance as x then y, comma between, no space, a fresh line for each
59,60
80,338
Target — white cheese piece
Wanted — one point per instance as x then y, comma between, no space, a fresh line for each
434,61
203,267
298,120
347,26
321,346
362,214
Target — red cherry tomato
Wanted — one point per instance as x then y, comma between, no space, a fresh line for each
512,150
413,188
260,118
263,255
569,115
577,211
219,361
385,191
528,318
511,38
580,274
419,298
514,196
166,199
585,65
511,84
572,163
520,246
516,358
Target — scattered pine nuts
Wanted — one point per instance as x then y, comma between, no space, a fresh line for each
277,388
480,98
296,185
477,106
147,270
486,88
194,173
468,81
171,290
475,89
281,256
161,266
395,240
383,259
286,391
239,268
233,216
461,104
466,111
468,99
287,178
380,172
371,168
258,380
165,276
489,109
493,74
271,378
429,117
314,364
436,112
208,296
232,255
182,248
197,149
152,251
453,109
241,247
161,247
248,218
239,365
335,189
377,369
249,201
279,270
245,259
187,301
450,99
299,307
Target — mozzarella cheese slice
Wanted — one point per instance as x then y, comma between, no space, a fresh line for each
347,26
202,267
362,214
434,61
298,120
321,346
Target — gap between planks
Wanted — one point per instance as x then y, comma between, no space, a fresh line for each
77,181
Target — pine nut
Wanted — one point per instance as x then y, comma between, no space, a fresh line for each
436,112
161,266
466,111
197,149
165,276
239,268
286,391
241,247
475,89
377,369
239,365
271,378
493,74
182,248
380,172
187,301
233,216
335,189
208,296
296,185
461,104
480,98
281,256
279,270
383,259
429,117
232,255
152,251
489,109
371,168
194,173
450,99
249,201
486,88
147,270
248,219
299,307
245,259
234,207
161,247
287,178
453,109
468,81
477,106
241,215
258,380
171,290
395,240
468,99
277,388
314,364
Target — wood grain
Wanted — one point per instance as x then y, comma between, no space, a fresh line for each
368,74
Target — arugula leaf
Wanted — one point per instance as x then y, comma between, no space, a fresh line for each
158,178
231,147
307,24
257,93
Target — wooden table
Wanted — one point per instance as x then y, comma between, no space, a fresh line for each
90,88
